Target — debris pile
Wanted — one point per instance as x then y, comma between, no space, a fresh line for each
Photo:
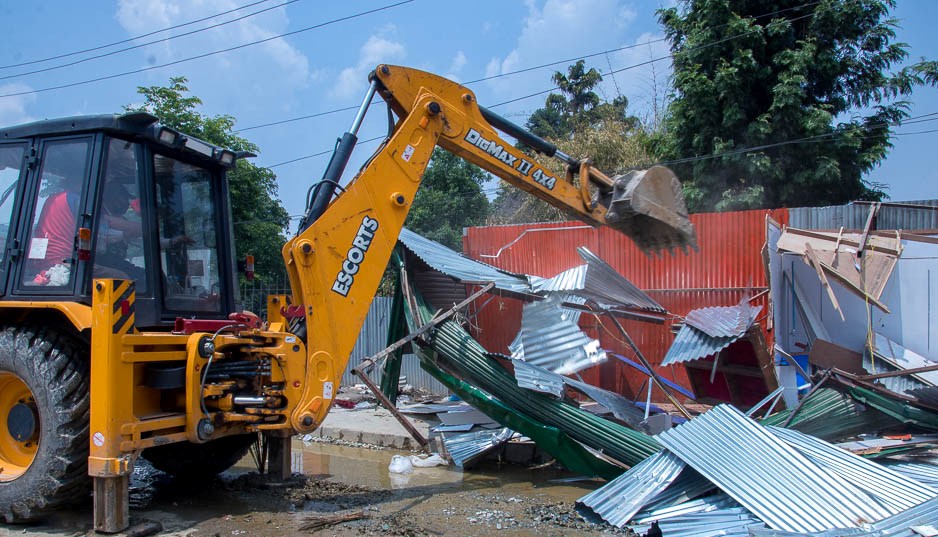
851,357
766,478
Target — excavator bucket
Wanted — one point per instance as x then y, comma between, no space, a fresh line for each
648,206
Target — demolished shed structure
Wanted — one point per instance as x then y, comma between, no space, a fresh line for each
777,479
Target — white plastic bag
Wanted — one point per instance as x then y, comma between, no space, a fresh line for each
427,462
400,465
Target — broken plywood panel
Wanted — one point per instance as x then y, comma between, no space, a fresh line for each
838,254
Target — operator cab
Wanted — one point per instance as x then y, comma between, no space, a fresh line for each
116,196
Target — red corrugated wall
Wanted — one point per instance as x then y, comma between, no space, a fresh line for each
728,265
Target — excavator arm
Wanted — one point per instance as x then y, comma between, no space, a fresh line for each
336,261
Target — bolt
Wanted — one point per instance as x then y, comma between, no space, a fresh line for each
434,108
467,97
307,248
205,429
296,348
98,286
385,70
400,200
307,421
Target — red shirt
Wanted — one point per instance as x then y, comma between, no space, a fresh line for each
57,224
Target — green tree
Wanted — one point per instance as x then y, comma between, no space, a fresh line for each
582,125
449,199
260,220
786,109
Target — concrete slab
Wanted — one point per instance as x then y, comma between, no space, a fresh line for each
372,426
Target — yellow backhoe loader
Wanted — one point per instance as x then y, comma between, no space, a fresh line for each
121,331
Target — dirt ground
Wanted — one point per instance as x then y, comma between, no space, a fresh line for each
341,482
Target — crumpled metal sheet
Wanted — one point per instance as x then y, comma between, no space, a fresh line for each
892,490
713,515
537,378
462,268
707,331
900,358
724,321
926,474
597,280
617,501
692,344
915,522
620,407
766,475
550,339
465,449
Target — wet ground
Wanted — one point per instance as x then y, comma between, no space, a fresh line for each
347,491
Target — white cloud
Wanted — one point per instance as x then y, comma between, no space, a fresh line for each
379,48
459,61
13,109
277,67
558,30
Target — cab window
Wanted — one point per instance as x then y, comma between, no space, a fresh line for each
119,241
187,217
11,166
50,246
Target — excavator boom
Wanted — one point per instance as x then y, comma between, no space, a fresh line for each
336,261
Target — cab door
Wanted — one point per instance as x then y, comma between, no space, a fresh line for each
13,165
53,208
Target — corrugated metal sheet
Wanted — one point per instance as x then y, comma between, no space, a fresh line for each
465,449
915,522
712,502
621,408
692,344
607,286
900,384
537,378
854,216
460,353
723,321
767,476
714,515
373,338
550,339
927,474
457,266
688,486
727,268
894,491
621,498
903,358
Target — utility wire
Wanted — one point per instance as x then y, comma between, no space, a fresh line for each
534,68
141,45
816,138
653,60
207,54
128,40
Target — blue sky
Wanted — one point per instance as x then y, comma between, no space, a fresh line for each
325,68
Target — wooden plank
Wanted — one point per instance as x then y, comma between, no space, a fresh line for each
812,257
874,208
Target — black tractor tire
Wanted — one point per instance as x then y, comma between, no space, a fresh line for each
55,368
196,462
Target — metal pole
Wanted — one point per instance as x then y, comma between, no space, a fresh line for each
647,364
386,403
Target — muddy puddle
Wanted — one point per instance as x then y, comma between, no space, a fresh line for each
347,491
